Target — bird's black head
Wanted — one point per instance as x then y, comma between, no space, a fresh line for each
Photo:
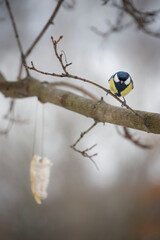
122,76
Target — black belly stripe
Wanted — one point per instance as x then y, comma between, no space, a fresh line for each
120,87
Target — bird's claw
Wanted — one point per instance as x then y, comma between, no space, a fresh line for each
107,91
124,103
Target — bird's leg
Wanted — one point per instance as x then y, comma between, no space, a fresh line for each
107,91
124,102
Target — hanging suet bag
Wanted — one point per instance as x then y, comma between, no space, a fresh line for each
40,174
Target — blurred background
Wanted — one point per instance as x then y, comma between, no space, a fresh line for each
121,200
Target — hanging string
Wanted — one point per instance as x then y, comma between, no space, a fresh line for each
35,128
42,134
38,134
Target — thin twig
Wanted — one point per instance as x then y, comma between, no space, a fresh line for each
8,128
90,148
10,109
84,91
65,57
55,43
50,21
113,28
84,152
142,19
16,34
69,5
20,71
68,75
129,137
8,118
84,133
104,2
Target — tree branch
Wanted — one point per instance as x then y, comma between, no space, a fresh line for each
142,19
16,34
84,152
50,20
82,90
99,111
126,134
68,75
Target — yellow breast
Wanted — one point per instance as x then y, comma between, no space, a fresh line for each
112,86
114,90
127,90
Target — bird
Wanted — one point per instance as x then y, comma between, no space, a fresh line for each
121,84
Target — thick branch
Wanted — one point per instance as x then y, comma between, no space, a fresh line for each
99,111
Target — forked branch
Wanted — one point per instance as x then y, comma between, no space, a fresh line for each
66,74
16,34
126,134
84,152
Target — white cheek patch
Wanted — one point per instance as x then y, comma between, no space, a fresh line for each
116,79
127,82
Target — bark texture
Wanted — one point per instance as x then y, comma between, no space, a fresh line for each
99,111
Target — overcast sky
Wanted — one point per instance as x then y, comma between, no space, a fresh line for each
93,57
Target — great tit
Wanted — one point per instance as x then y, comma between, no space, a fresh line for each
121,84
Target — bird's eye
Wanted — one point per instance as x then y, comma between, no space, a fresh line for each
127,81
116,79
